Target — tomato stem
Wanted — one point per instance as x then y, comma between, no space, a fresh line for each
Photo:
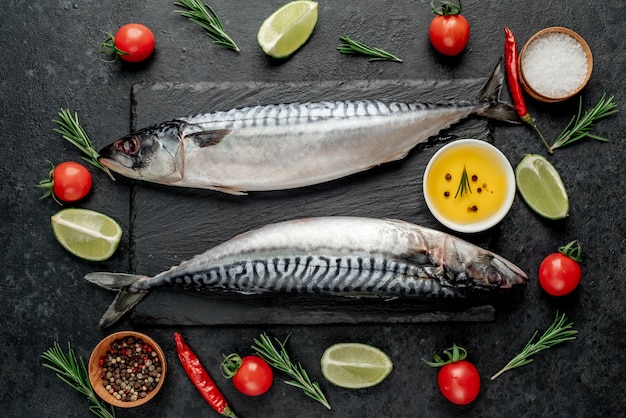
447,8
230,365
573,250
454,354
48,184
108,47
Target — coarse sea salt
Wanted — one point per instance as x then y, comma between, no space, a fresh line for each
555,65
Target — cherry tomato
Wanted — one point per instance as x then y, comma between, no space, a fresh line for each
449,31
560,273
68,182
133,42
458,379
251,375
459,382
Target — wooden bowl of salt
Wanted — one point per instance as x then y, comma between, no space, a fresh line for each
555,64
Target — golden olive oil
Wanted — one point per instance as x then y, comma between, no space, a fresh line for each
470,198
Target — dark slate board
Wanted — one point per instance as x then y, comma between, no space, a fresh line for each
171,224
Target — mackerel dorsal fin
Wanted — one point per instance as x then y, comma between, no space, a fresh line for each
208,138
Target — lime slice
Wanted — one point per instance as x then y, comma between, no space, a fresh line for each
288,28
86,234
355,365
541,187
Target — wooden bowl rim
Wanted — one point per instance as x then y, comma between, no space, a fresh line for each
555,29
95,370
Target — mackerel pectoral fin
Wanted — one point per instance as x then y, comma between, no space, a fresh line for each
125,300
208,138
229,190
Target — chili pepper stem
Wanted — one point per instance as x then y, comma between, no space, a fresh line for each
227,412
528,120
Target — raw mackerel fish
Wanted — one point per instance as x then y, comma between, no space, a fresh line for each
285,146
339,256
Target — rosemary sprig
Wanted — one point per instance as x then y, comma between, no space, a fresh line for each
205,16
71,369
278,358
464,184
580,126
558,332
71,130
350,46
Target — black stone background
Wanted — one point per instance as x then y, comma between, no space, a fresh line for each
51,62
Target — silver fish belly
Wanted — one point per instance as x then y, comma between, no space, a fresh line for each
284,146
343,256
294,145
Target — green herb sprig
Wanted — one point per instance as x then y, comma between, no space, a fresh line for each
71,130
581,124
205,16
558,332
350,46
464,184
71,369
279,359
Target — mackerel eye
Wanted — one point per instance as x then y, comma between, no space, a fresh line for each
129,146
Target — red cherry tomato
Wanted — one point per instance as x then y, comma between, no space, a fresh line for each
136,40
449,31
133,42
71,181
458,379
67,182
459,382
251,375
559,273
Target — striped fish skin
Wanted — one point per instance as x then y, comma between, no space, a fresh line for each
284,146
347,276
341,256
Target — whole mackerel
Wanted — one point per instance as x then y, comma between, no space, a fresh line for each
284,146
341,256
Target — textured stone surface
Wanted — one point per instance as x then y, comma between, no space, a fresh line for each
51,61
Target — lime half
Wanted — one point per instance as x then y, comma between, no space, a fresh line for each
86,233
288,28
355,365
541,187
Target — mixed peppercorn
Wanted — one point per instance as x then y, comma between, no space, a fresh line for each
131,369
474,179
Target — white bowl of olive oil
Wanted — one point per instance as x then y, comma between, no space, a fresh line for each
469,185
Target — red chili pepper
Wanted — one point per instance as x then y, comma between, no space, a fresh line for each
510,58
201,379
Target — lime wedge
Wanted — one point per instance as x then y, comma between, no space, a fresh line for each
86,233
288,28
355,365
541,187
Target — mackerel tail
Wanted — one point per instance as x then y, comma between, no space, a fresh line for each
489,98
126,298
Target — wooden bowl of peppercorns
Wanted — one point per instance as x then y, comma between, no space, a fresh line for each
127,369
